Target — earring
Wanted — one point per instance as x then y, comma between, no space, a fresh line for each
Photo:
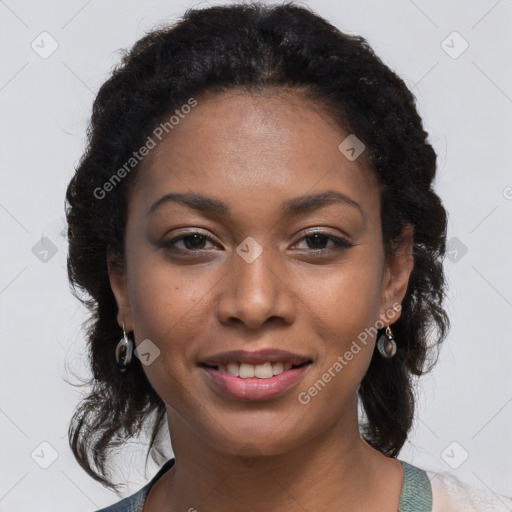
123,352
387,344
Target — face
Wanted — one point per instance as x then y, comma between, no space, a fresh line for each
275,243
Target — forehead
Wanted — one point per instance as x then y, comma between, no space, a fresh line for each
245,146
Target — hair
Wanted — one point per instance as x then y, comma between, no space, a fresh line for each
252,47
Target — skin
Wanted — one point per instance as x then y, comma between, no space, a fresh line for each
253,152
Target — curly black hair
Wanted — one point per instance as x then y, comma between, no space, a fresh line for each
261,47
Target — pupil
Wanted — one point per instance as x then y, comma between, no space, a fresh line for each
317,239
197,241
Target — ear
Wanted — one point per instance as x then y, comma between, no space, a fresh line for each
117,278
397,271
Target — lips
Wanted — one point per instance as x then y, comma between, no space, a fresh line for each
254,376
253,389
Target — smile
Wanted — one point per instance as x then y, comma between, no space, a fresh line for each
261,371
254,382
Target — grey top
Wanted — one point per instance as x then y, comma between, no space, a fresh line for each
415,496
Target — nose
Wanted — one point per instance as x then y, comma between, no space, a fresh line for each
256,292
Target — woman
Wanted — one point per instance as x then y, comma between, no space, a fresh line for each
261,248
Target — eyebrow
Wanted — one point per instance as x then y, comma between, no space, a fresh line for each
292,207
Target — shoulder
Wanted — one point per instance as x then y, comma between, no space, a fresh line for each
449,494
135,502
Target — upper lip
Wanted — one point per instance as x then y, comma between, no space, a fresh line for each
272,355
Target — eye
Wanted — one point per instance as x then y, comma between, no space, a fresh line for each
317,240
195,241
192,241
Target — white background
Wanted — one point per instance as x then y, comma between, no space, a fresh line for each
466,104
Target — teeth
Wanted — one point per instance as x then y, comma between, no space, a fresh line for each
234,369
277,368
247,370
261,371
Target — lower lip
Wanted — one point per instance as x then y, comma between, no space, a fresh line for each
253,389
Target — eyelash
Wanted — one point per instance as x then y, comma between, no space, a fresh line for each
339,243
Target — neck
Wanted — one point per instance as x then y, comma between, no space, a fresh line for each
334,470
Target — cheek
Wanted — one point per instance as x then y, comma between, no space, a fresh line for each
346,296
170,305
168,309
343,305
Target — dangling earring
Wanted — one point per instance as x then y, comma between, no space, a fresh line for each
387,344
124,351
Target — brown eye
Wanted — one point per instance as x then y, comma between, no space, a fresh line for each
317,242
191,242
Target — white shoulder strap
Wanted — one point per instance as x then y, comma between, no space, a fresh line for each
451,495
